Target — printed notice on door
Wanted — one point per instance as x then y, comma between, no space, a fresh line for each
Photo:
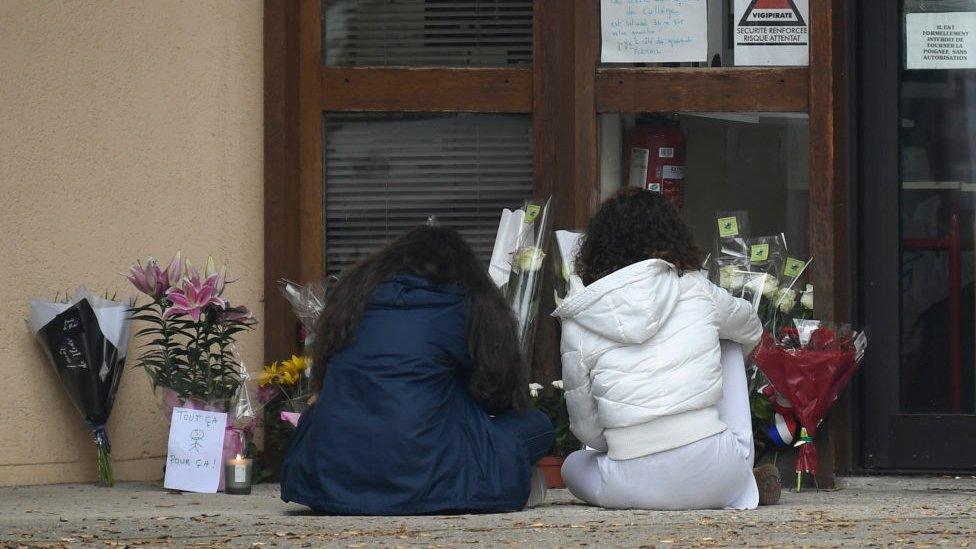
772,32
940,40
654,31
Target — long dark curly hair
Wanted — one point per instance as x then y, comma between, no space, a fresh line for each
499,379
631,226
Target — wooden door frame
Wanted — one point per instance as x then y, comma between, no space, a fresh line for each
564,90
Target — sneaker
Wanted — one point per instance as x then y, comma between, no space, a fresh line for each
539,487
769,484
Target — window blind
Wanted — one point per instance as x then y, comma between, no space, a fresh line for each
387,173
456,33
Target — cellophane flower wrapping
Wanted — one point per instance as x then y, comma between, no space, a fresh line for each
566,281
762,271
524,284
86,339
285,386
811,372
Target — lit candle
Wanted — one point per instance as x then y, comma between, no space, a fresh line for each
237,476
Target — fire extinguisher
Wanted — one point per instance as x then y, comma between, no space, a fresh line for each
656,157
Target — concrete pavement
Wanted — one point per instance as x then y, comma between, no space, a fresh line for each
890,511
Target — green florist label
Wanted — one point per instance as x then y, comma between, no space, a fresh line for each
759,253
532,212
728,226
793,267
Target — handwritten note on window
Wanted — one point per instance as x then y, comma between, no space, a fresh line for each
654,31
196,445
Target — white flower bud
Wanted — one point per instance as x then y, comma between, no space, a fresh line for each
530,259
806,300
786,300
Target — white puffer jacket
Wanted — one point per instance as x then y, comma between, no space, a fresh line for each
641,357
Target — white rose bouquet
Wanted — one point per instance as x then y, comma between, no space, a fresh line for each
521,247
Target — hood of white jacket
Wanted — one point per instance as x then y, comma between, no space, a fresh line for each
629,305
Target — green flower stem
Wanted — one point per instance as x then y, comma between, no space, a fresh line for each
105,476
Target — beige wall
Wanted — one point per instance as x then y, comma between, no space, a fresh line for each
127,129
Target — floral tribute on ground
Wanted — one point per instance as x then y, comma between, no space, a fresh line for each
284,387
801,364
86,339
188,344
519,253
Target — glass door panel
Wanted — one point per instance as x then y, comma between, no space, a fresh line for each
938,158
918,163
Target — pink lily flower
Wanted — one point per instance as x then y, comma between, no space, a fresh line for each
192,274
221,279
221,274
175,270
194,297
147,279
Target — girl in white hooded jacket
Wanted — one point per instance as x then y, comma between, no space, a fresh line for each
654,375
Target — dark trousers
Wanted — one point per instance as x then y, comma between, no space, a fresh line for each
533,427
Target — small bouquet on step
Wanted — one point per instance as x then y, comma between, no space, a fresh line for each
521,246
285,387
807,370
86,339
189,344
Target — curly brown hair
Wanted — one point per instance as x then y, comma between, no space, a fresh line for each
631,226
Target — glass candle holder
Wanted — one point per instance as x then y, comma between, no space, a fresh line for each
237,476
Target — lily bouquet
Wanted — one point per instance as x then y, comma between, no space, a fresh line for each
520,250
189,343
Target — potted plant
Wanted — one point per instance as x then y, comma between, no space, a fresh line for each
188,343
551,401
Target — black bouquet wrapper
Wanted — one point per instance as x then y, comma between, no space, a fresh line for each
88,365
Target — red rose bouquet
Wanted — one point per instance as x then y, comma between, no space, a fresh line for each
809,368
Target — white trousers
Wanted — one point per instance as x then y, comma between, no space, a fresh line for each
712,473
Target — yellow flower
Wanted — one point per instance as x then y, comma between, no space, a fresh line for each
289,378
288,372
295,365
270,375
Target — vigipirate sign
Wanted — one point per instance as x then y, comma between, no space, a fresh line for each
772,32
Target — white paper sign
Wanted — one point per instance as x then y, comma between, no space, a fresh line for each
772,32
940,40
196,445
638,166
653,31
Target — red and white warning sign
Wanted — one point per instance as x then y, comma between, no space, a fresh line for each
772,32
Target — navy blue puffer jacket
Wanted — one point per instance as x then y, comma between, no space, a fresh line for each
395,430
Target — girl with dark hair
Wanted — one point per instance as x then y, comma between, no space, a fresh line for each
422,394
661,403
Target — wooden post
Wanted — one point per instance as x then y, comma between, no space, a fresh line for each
281,196
829,198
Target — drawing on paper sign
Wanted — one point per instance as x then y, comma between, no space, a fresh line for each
772,13
772,32
195,450
196,436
